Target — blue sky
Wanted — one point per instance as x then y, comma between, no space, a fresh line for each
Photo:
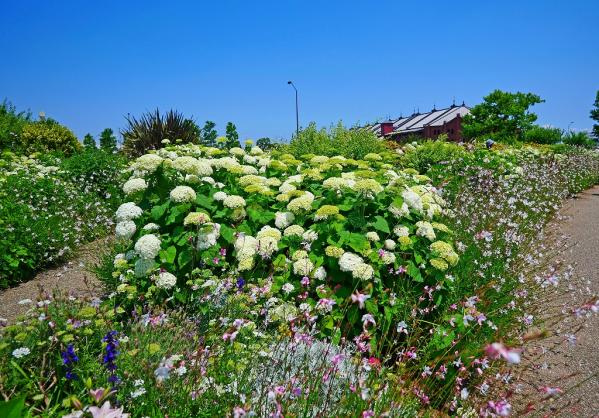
89,63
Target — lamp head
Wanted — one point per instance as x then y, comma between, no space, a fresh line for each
289,82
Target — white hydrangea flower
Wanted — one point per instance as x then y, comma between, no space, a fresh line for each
288,288
208,236
302,203
219,196
399,212
134,185
320,273
256,150
246,246
401,231
166,280
233,202
310,236
412,199
387,257
208,180
151,227
148,246
349,261
267,246
125,229
147,164
425,229
128,211
372,236
390,244
303,267
284,219
363,271
181,194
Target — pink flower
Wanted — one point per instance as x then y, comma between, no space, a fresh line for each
368,319
99,394
550,391
497,350
360,298
106,411
367,414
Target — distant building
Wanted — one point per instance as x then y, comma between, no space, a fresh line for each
425,125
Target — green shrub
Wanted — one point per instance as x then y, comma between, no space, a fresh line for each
48,135
152,128
338,140
11,125
579,139
542,135
430,153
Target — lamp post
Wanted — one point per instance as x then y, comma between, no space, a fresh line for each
570,124
296,109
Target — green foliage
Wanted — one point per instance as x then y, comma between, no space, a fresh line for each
595,116
232,136
265,143
209,134
89,142
48,210
430,153
502,116
11,125
149,131
579,139
47,135
338,140
542,135
108,141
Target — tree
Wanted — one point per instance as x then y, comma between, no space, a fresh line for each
89,142
232,136
595,117
502,116
264,143
209,134
108,141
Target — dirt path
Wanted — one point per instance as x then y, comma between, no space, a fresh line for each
71,277
560,361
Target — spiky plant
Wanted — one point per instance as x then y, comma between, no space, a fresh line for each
149,131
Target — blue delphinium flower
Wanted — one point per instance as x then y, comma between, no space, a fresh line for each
110,356
69,358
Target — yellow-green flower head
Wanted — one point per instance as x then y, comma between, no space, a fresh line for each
273,182
368,187
293,230
248,142
333,251
439,264
269,231
299,254
234,201
440,227
445,251
325,211
363,271
283,197
245,264
312,173
337,183
258,188
196,218
372,157
303,267
251,179
319,159
221,139
301,204
405,241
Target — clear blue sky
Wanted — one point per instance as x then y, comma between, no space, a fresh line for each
88,63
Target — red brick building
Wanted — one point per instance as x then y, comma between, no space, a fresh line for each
425,125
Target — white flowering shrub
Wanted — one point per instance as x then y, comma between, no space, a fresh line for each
320,231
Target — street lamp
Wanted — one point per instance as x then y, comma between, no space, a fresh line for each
296,109
570,124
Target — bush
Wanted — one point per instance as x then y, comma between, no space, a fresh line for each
338,140
148,132
579,139
430,153
48,135
542,135
11,125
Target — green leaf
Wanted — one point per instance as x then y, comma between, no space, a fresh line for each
205,202
12,408
381,224
414,272
158,211
185,257
227,233
359,242
168,256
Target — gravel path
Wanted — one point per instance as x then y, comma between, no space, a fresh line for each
72,277
573,367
